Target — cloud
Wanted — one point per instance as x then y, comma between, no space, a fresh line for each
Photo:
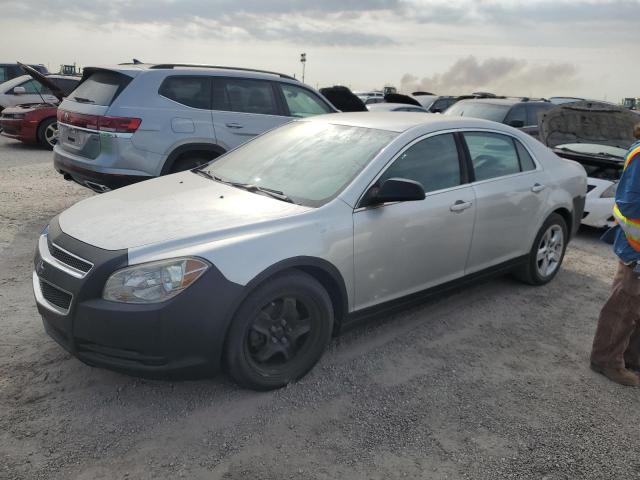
506,76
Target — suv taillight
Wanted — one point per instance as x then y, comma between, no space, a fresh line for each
99,122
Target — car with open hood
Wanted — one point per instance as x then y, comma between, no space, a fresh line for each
36,122
253,261
596,135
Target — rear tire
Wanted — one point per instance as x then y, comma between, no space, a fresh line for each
48,133
279,332
188,163
547,253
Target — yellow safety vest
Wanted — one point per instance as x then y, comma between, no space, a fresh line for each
630,226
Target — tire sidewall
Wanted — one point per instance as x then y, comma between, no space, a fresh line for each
41,132
553,219
241,367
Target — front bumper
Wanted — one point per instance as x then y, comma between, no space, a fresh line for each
12,128
598,212
182,335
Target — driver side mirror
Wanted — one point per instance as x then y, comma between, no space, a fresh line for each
516,123
19,91
394,190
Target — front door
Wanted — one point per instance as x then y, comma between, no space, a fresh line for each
402,248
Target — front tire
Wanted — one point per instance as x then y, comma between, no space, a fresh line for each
279,332
547,253
48,133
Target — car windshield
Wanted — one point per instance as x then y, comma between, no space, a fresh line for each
594,149
485,111
309,162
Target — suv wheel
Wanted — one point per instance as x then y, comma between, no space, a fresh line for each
280,332
547,252
187,163
48,133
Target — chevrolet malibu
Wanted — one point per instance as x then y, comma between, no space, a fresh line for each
251,262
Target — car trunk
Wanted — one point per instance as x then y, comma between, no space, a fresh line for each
81,113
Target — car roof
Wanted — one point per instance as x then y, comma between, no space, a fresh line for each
402,121
134,69
383,106
501,101
64,77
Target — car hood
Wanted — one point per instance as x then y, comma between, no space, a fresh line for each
174,207
55,90
27,107
588,122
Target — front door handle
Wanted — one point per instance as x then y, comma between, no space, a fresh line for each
460,206
537,188
234,125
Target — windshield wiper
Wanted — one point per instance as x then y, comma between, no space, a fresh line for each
83,100
247,186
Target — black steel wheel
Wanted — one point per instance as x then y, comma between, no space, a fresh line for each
279,332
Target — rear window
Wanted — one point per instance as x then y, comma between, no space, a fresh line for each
485,111
190,91
101,88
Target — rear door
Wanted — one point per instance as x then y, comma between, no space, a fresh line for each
510,193
404,247
244,108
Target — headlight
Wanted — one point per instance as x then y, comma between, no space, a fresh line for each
610,192
153,282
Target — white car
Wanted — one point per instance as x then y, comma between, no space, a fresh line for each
568,130
22,90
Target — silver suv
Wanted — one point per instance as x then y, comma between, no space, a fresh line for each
133,122
253,261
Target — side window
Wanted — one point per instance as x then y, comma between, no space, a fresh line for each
526,162
517,116
243,95
301,102
193,92
492,155
433,162
31,86
4,74
535,112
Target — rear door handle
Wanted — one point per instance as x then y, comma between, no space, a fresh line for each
537,188
460,205
234,125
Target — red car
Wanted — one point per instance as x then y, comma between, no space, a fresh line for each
36,123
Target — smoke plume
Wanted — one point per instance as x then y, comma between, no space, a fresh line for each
503,76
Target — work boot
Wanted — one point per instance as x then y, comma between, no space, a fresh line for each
618,375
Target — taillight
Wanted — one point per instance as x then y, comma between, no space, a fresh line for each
118,124
102,123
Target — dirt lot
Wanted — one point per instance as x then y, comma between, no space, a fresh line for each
491,382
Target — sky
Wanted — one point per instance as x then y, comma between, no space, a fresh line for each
585,48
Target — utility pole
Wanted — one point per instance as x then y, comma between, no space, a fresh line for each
303,60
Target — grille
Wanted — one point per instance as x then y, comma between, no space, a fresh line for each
55,296
69,260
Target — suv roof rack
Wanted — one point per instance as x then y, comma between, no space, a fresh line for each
173,65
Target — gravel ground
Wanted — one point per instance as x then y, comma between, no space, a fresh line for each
489,382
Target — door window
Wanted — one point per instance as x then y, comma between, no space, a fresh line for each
517,116
243,95
4,74
492,154
190,91
433,162
302,103
535,112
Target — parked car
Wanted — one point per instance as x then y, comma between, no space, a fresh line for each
24,89
254,260
133,122
395,107
343,99
435,103
596,135
36,122
13,70
521,113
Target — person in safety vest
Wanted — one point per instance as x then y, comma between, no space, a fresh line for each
616,345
